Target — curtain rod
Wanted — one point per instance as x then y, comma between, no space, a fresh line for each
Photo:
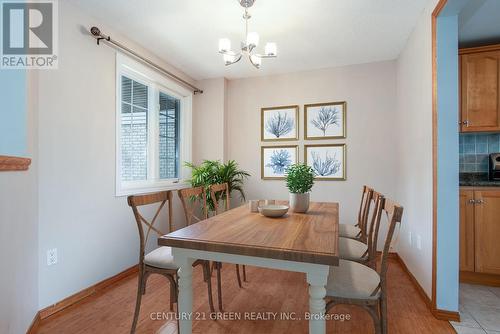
96,33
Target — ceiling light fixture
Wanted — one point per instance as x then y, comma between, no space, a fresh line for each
248,46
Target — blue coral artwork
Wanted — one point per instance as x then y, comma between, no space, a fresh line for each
327,161
325,120
276,159
279,123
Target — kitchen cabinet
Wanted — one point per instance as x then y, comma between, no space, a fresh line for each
487,231
466,230
480,230
480,89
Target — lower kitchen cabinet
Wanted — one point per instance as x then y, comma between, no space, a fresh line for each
487,231
480,230
466,230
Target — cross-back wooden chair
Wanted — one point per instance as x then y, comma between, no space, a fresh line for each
358,231
218,192
189,197
356,284
356,250
159,261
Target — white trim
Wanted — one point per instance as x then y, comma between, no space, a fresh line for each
156,82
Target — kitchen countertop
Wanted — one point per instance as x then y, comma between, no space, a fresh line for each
477,180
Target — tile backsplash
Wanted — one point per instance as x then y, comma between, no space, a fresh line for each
474,150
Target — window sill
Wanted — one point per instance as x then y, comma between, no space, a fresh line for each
151,188
8,163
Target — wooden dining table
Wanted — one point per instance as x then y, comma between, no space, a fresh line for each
299,242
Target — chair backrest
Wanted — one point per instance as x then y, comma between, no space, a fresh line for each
364,210
373,225
218,191
135,201
188,199
394,213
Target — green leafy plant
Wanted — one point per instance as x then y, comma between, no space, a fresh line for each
214,172
299,178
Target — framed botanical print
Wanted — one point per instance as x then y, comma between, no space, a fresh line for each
276,159
328,161
279,123
325,120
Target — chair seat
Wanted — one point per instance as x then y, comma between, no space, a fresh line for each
349,231
351,249
352,280
161,257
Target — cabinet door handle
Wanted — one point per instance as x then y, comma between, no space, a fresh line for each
480,201
471,201
466,123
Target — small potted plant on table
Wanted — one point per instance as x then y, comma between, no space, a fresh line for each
299,181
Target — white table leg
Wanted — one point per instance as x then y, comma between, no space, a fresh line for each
317,292
185,302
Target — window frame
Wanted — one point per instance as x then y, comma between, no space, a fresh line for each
156,83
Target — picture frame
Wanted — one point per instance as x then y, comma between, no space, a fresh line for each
275,159
328,161
279,123
325,120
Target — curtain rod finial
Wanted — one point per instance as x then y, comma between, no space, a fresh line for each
95,31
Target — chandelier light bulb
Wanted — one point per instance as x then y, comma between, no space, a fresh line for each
253,39
224,45
270,49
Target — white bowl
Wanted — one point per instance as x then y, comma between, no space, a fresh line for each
273,211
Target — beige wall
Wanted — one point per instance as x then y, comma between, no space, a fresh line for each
94,231
414,132
370,92
19,236
209,121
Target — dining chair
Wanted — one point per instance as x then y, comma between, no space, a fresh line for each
159,261
220,192
358,231
353,283
356,250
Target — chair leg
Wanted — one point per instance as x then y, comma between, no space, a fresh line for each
145,282
206,271
244,273
219,285
383,313
238,275
373,311
173,291
138,300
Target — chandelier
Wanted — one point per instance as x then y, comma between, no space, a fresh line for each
248,46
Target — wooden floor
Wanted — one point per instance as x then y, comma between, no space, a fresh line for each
266,291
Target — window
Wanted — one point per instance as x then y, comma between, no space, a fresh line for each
153,129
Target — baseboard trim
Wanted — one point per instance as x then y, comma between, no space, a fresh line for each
420,290
437,313
33,328
79,296
446,315
479,278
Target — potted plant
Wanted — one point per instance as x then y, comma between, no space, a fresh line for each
299,181
214,172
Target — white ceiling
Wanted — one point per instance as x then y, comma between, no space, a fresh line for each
310,34
480,23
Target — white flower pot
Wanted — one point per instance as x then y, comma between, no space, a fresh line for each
299,202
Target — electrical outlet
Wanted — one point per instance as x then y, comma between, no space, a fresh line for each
419,242
52,256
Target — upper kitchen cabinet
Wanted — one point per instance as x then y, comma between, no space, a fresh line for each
480,90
